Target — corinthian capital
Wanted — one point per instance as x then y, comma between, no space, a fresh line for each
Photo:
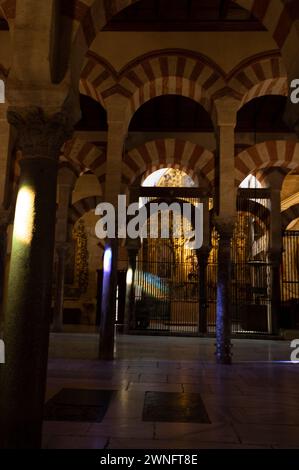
39,135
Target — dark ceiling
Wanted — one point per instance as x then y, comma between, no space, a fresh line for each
173,113
184,15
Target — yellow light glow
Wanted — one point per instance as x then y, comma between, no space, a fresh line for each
24,216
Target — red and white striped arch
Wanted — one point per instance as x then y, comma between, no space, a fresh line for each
280,18
261,76
193,159
289,215
82,207
97,77
87,156
172,72
275,153
159,73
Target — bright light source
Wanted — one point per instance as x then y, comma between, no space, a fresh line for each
24,216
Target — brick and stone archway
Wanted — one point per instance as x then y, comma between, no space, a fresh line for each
289,215
82,207
86,156
258,76
158,73
277,16
271,154
193,159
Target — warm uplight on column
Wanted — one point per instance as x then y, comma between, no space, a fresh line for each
129,277
24,216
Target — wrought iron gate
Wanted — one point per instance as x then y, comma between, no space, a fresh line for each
166,288
290,281
167,280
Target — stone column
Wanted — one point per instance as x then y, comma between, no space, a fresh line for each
27,319
226,109
4,154
4,222
61,251
107,326
223,321
117,131
274,178
66,183
203,257
133,247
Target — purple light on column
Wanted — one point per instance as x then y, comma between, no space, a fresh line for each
107,260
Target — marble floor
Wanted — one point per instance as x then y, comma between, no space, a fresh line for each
251,404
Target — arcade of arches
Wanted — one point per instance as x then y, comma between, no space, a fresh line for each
181,103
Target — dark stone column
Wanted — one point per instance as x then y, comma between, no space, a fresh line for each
4,222
27,319
274,178
203,256
276,247
275,261
107,327
223,320
61,250
132,257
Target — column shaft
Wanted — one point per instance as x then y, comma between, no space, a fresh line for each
275,259
115,147
132,256
59,293
223,321
27,317
107,327
226,108
203,307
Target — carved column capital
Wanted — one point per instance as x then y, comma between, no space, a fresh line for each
39,135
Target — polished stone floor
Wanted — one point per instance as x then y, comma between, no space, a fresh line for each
251,404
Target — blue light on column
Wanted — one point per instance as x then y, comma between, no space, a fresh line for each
108,260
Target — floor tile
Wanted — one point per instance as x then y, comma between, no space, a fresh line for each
78,405
174,407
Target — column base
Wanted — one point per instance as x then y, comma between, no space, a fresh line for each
224,354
